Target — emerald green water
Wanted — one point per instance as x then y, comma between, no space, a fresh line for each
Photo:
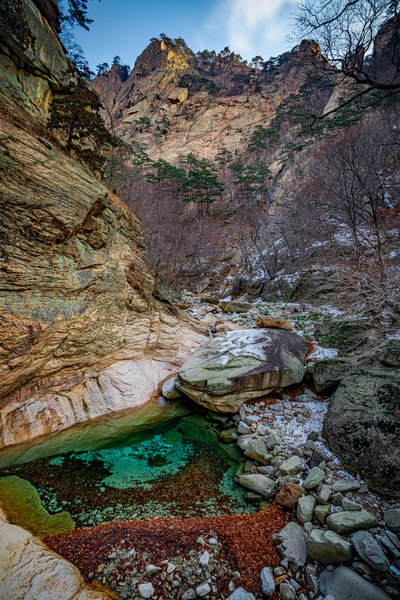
180,468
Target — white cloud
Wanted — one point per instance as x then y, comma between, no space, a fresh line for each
253,26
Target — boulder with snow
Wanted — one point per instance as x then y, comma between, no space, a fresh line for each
225,372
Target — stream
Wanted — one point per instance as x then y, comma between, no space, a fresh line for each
178,467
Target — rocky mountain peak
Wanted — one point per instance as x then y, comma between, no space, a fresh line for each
158,55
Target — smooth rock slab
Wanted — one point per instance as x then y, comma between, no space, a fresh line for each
226,371
348,521
328,548
344,584
370,550
258,483
292,544
346,485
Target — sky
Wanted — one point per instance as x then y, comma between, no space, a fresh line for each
248,27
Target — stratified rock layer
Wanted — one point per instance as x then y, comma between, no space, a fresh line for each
83,335
226,371
363,425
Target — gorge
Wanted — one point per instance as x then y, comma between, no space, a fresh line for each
199,332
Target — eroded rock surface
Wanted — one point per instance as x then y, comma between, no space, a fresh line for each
226,371
83,334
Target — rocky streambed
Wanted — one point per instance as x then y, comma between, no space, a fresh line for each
265,507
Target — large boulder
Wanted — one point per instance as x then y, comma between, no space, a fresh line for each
329,372
240,365
362,425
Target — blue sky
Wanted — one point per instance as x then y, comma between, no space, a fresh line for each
124,27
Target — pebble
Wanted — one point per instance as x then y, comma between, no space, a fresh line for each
146,590
203,590
204,559
150,569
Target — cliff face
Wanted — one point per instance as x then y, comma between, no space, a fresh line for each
82,332
171,106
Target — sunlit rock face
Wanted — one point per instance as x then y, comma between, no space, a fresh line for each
164,106
82,333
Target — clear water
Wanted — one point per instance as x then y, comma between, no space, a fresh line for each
178,469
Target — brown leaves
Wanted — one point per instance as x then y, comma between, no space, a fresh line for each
246,542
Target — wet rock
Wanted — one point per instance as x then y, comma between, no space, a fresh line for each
146,590
328,548
258,483
391,543
362,426
314,478
226,371
305,508
267,582
344,584
291,466
392,518
348,521
228,435
370,550
289,494
292,544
